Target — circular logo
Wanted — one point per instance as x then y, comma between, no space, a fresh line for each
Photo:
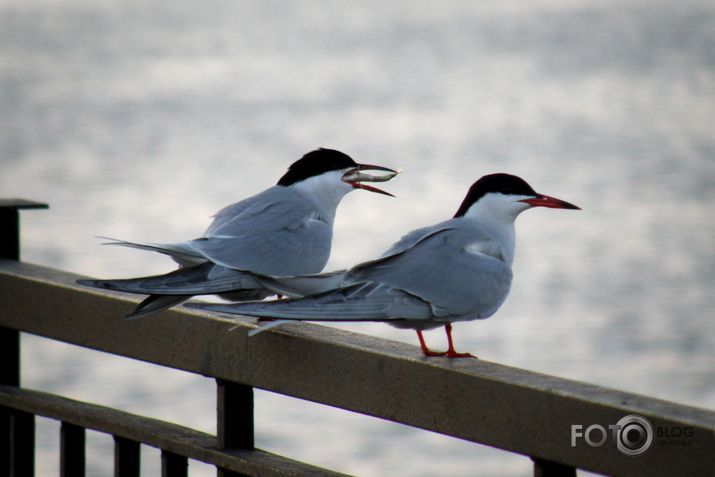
635,435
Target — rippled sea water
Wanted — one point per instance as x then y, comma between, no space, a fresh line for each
139,120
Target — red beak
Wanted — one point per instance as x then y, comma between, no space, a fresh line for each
550,202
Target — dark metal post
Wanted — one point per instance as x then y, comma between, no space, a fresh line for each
545,468
12,437
235,415
127,457
72,450
10,375
10,225
9,356
173,465
10,249
9,232
235,418
22,444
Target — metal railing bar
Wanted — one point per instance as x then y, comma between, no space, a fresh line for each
166,436
229,473
174,465
5,440
9,356
9,375
72,450
127,457
22,444
10,225
508,408
234,415
544,468
17,429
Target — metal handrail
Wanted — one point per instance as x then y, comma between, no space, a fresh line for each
171,438
508,408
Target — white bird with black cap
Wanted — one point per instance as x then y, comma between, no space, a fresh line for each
285,230
456,270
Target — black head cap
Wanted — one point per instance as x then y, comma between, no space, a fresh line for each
315,163
503,183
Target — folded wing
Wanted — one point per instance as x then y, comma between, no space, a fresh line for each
357,302
270,236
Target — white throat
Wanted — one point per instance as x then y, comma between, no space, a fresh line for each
495,213
325,191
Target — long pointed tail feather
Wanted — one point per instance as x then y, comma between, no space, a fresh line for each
181,252
204,279
154,304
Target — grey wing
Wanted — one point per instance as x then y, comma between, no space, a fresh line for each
404,245
250,205
442,271
298,286
357,302
413,238
278,233
205,279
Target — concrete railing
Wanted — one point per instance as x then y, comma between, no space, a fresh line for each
518,411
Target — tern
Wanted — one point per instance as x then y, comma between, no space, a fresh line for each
285,230
456,270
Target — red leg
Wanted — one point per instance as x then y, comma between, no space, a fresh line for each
425,350
451,353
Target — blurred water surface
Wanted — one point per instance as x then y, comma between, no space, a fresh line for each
139,119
